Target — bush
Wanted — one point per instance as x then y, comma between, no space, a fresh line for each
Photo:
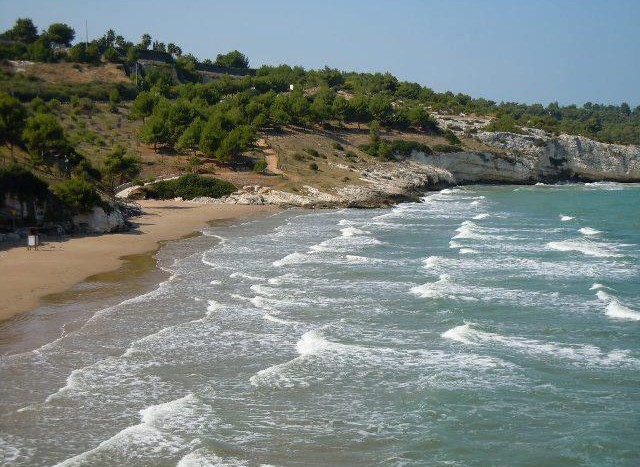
504,123
313,166
77,194
312,152
260,167
446,148
190,186
452,138
337,146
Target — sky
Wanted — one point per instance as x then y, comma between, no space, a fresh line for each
570,51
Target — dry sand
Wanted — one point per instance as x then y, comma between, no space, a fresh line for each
27,276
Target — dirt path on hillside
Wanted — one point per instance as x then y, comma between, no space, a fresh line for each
271,156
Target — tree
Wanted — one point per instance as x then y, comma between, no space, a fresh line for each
174,49
120,167
143,105
154,131
419,118
190,138
625,109
340,109
211,136
44,138
77,194
12,120
109,39
60,34
374,132
235,142
40,50
111,55
23,31
233,59
132,55
145,42
159,46
80,53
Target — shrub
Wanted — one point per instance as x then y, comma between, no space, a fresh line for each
504,123
190,186
77,194
446,148
299,157
451,138
260,167
313,166
312,152
337,146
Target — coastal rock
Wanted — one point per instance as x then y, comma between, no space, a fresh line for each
530,158
98,221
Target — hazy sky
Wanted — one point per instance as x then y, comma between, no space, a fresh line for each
572,51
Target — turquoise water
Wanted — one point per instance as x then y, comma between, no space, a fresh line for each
482,326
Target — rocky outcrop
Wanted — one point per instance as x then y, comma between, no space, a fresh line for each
537,157
382,184
98,221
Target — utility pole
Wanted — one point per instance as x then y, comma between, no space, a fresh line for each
86,35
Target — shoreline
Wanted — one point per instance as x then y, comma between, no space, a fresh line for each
31,276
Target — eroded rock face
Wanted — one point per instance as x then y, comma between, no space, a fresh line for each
98,221
532,158
384,183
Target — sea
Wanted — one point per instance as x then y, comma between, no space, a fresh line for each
481,326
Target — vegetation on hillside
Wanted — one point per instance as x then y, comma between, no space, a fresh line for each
319,96
190,186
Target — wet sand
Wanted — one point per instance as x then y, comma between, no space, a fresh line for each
26,277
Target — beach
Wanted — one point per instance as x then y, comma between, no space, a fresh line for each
28,276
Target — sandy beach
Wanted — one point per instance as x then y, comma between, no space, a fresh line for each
27,276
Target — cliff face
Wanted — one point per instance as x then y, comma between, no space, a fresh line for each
537,157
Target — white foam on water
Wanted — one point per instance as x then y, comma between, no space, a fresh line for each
540,184
312,342
351,231
160,434
442,288
202,458
275,319
345,222
215,282
597,286
615,309
483,215
604,186
459,334
589,248
433,261
564,218
579,354
454,244
475,203
468,230
293,258
242,275
467,251
213,306
588,231
361,259
264,290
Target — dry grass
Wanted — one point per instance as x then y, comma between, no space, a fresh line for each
74,73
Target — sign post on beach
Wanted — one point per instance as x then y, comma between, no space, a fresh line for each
33,239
